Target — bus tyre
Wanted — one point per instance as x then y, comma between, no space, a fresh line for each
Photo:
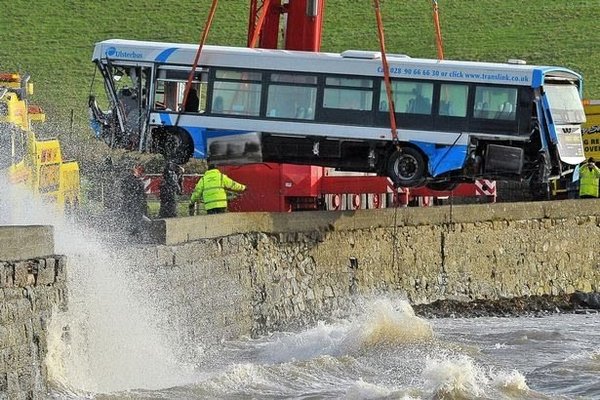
177,147
406,167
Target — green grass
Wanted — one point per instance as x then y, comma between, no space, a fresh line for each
53,41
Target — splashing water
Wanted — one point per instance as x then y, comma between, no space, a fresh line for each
106,340
394,324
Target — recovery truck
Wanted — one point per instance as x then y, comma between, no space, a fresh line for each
28,161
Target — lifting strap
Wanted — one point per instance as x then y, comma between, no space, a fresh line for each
188,84
386,73
438,31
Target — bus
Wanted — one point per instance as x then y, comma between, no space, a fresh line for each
457,120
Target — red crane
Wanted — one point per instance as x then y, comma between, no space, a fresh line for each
303,22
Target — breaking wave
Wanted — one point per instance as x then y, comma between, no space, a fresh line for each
459,376
389,323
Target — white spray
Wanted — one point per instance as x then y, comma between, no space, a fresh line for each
106,341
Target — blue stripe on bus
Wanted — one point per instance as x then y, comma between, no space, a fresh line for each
548,119
165,119
538,78
162,57
199,140
443,159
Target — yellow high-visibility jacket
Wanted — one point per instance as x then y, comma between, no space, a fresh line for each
212,188
588,181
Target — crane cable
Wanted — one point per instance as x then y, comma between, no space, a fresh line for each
386,72
438,31
188,84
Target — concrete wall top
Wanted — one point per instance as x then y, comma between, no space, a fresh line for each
25,242
180,230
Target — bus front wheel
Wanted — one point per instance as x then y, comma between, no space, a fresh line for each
177,147
406,167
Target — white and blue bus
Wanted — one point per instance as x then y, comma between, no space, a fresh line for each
457,120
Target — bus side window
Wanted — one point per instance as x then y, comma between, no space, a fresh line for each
410,97
217,106
453,100
495,102
348,93
239,92
291,96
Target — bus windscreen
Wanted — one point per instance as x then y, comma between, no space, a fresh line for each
565,104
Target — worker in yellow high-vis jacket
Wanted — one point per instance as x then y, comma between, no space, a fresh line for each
212,189
589,174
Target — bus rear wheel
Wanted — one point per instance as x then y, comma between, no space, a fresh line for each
406,167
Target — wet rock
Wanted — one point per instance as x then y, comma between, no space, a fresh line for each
507,307
586,300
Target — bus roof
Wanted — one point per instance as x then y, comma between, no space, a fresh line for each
351,62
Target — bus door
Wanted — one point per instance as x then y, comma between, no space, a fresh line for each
128,89
545,159
115,113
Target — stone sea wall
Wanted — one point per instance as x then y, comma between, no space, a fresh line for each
32,283
304,267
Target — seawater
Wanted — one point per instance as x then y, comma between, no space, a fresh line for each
389,353
115,343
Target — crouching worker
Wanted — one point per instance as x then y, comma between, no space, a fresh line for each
212,190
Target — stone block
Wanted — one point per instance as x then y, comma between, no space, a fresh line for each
5,337
60,269
45,272
7,273
12,382
3,384
26,379
21,273
24,242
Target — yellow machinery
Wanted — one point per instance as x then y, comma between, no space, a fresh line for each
591,144
36,164
591,129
